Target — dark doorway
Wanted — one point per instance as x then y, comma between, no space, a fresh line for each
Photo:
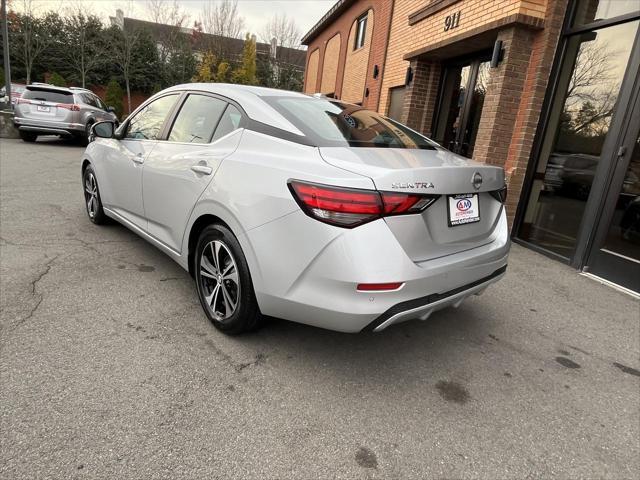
464,85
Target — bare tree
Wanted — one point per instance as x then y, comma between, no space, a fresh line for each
33,36
593,89
170,13
124,46
223,20
89,48
283,36
284,30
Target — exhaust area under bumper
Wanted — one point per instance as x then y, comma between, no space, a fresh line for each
422,308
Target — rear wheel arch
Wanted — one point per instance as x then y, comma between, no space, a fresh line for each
198,226
85,163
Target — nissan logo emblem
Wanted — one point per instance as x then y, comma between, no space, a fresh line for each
476,180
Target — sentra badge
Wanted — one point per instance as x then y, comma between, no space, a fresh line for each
412,185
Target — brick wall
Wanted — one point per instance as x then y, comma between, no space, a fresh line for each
405,38
311,72
356,63
377,32
330,64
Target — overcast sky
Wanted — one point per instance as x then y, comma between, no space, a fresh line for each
255,12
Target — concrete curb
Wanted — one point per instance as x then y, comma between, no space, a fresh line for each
7,129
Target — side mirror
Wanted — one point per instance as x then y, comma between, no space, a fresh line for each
102,130
111,109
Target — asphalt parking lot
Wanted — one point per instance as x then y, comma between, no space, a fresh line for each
108,368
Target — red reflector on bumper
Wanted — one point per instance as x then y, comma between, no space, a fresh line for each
379,287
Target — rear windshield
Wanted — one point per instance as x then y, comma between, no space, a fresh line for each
330,123
48,95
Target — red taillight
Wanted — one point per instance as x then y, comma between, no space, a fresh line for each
379,287
69,106
350,207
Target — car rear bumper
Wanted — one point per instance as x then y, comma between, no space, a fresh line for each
422,308
308,272
48,127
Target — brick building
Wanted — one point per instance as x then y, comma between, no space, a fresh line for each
548,89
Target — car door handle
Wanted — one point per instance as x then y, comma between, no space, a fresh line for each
138,158
202,169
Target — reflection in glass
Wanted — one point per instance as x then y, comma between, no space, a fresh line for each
146,124
454,91
624,232
475,111
590,80
589,11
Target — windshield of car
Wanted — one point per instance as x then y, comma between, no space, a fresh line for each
56,96
330,123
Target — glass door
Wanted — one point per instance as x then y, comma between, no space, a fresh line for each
463,90
615,254
576,148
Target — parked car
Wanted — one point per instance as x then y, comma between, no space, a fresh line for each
69,112
17,89
307,209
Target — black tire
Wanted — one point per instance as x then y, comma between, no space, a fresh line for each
28,137
245,316
84,138
91,191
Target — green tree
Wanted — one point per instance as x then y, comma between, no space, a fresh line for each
205,69
30,36
223,72
113,97
246,74
57,80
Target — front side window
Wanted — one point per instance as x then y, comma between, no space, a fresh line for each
197,120
147,123
335,124
361,30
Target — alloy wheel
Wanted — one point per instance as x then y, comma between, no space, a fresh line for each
219,280
91,195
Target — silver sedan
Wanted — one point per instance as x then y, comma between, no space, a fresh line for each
299,207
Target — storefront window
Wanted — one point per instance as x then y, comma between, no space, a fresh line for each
590,11
589,84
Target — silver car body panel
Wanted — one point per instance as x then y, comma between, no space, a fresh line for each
304,270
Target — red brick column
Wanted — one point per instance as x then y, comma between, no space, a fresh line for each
502,98
420,96
543,50
431,99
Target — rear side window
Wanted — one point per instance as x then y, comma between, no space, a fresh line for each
198,118
147,123
228,123
88,99
48,96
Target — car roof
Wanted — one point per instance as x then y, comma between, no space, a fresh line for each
249,98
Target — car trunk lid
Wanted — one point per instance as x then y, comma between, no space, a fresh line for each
430,234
